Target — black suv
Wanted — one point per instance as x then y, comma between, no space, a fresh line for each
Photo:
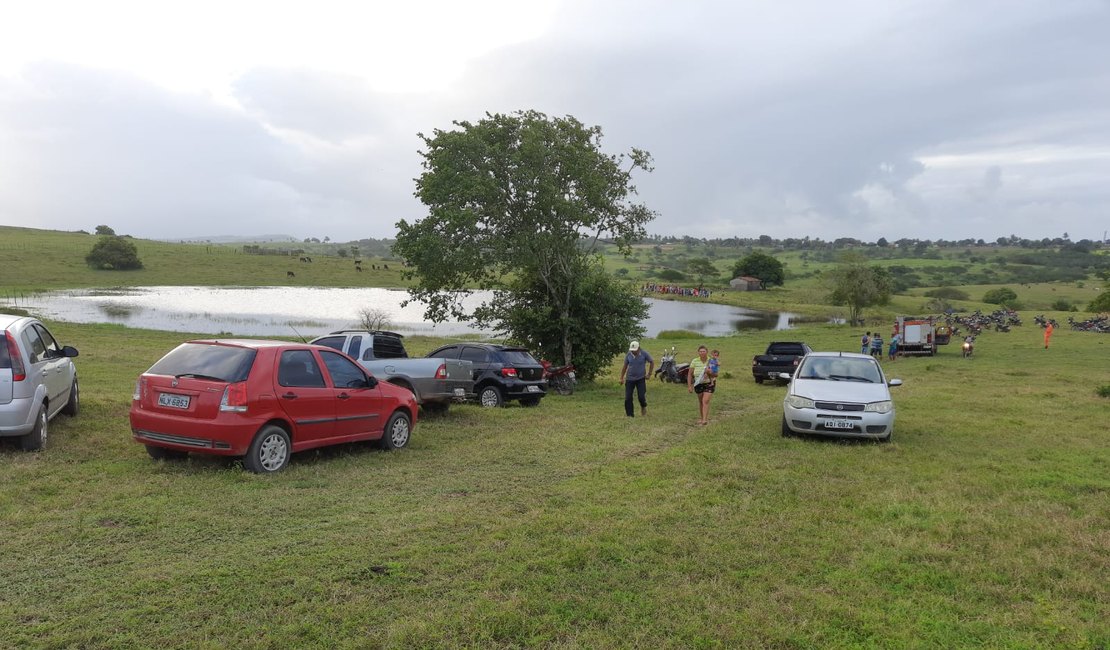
501,372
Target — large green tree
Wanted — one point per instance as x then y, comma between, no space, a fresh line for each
760,265
519,203
113,252
856,284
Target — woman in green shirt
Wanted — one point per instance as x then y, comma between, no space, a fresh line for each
700,380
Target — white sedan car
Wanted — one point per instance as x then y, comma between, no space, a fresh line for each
839,394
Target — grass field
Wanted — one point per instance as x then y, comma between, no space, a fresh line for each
984,523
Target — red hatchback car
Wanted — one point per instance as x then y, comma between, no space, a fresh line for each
263,400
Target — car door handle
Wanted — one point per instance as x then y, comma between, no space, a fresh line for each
289,396
343,396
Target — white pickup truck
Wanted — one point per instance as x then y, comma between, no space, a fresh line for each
435,382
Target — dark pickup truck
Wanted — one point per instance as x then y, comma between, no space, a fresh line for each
781,356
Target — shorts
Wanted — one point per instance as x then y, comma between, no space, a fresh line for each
705,388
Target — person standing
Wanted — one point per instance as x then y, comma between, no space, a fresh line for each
638,366
877,346
1047,334
701,380
894,341
865,344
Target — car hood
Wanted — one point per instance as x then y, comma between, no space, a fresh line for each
827,390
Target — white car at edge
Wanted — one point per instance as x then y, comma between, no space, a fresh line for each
842,394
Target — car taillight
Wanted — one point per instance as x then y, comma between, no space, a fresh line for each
19,372
441,371
137,395
754,362
508,372
235,398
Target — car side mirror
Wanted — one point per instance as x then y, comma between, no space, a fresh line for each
69,351
371,381
895,382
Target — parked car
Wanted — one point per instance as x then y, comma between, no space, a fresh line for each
780,357
435,382
501,372
839,394
263,400
38,380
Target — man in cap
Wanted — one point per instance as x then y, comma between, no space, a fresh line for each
638,366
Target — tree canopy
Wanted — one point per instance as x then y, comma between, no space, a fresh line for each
112,252
519,203
760,265
857,285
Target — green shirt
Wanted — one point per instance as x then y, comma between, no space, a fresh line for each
699,370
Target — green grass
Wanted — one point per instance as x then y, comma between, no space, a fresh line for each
984,523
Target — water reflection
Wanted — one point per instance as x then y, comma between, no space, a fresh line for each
311,311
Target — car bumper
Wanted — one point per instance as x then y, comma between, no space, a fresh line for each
817,422
768,372
187,434
525,390
450,391
17,417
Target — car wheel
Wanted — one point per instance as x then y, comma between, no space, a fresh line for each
490,397
397,431
74,404
36,440
786,432
758,380
530,401
161,453
269,451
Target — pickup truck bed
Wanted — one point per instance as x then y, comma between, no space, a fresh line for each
781,356
435,382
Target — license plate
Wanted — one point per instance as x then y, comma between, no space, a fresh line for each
173,401
839,424
533,389
460,392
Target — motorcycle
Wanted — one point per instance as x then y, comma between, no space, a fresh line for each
560,378
969,346
669,371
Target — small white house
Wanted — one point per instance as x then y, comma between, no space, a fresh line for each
745,283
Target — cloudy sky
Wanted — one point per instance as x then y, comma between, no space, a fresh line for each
855,118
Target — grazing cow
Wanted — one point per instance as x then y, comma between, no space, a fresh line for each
359,269
358,262
385,266
290,274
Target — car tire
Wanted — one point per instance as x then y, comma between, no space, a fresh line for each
530,401
36,439
490,397
73,405
786,432
269,451
759,380
161,453
397,432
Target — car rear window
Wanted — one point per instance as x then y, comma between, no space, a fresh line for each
230,364
518,358
389,347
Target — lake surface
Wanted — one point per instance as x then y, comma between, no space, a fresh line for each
309,311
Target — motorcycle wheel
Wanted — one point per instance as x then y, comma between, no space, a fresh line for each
563,385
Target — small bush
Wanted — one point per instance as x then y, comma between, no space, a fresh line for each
679,334
948,293
1104,391
1001,296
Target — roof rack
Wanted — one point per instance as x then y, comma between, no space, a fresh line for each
375,332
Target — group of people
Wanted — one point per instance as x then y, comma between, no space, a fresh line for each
699,292
873,344
701,378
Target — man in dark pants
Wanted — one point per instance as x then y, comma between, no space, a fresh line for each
638,366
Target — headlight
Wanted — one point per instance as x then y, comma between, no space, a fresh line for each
879,407
799,402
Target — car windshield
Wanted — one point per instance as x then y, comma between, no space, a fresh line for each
200,360
840,369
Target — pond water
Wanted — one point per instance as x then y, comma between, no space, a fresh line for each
312,311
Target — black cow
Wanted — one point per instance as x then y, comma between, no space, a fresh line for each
290,274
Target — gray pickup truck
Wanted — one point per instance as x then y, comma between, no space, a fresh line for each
435,382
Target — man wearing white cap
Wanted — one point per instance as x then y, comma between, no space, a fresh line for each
638,366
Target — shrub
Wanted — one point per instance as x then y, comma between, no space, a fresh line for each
1101,303
671,275
948,293
1104,390
678,334
1000,296
1061,305
112,252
